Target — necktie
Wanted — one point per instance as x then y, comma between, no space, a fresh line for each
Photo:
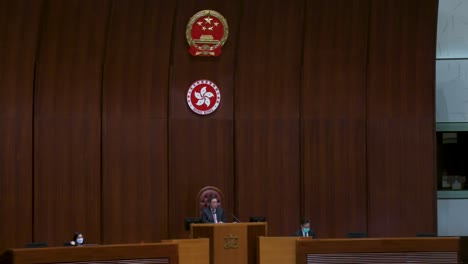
215,220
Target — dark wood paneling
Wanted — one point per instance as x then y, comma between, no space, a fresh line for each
300,121
134,180
401,70
19,25
201,147
187,69
335,49
269,59
67,184
401,161
334,186
134,138
201,154
267,169
401,178
66,179
267,113
137,60
334,112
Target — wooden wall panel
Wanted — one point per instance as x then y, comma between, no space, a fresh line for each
400,137
269,60
401,178
134,138
334,116
201,155
267,111
67,184
201,148
334,188
19,25
267,169
327,112
187,69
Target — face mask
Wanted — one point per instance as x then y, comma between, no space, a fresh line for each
306,229
79,241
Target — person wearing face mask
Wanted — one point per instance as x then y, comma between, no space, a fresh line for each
305,230
78,239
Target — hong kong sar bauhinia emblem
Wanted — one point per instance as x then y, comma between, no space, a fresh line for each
206,33
203,97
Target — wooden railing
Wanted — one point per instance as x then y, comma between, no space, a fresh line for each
130,253
435,250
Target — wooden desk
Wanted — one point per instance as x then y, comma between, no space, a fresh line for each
277,250
193,251
134,253
427,250
234,243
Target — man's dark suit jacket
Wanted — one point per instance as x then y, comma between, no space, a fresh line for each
207,216
299,233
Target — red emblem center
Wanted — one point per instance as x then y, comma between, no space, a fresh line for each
206,33
203,97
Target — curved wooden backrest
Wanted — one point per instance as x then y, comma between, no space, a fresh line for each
204,195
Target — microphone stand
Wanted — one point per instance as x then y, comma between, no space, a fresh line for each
235,218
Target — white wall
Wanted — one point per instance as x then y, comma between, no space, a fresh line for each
452,61
452,217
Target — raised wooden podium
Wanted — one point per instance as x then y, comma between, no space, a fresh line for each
231,243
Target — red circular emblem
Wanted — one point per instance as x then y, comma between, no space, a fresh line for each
203,97
206,33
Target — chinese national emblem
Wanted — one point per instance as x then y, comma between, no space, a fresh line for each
206,33
203,97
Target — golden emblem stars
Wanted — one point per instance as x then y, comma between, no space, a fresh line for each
206,33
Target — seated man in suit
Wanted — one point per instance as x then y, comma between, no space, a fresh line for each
213,213
305,230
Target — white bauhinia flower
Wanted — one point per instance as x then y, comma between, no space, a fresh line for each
203,97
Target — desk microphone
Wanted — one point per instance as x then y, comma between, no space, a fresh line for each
233,216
